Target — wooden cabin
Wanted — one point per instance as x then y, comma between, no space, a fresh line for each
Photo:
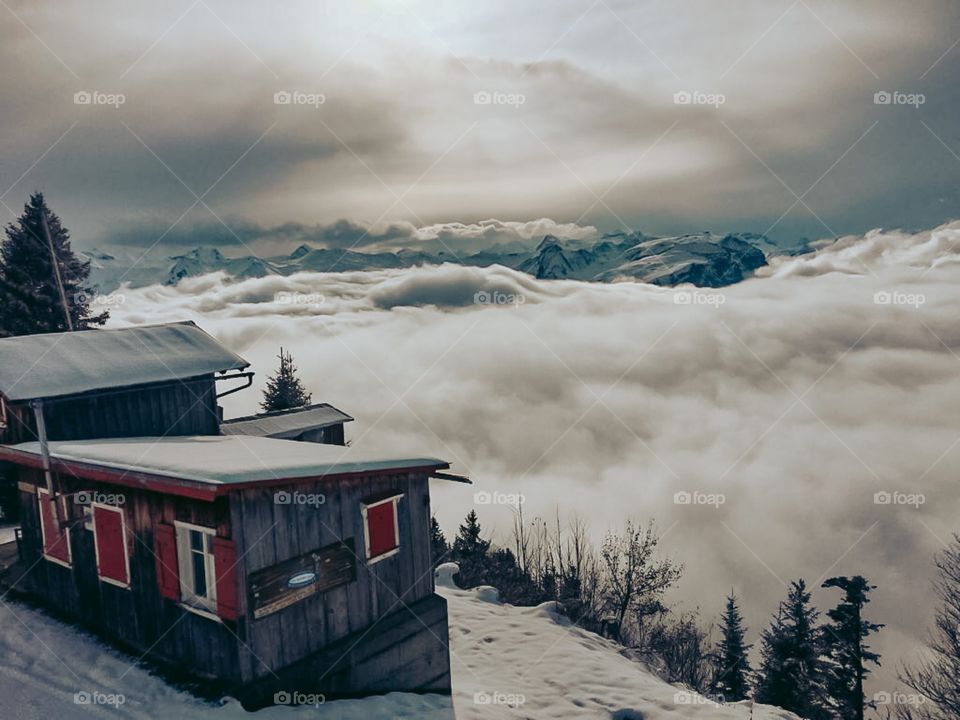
258,565
127,382
320,423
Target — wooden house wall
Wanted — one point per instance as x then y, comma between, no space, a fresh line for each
138,617
330,435
187,407
267,533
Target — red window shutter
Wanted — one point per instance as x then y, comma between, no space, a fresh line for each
381,528
165,551
111,544
56,542
225,567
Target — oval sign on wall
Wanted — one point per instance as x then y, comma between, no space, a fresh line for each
301,579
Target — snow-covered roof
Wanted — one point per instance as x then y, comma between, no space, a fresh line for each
227,460
57,364
286,423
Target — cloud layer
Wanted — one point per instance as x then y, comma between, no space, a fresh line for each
598,138
797,396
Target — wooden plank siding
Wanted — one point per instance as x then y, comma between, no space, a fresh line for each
137,617
179,407
268,533
265,533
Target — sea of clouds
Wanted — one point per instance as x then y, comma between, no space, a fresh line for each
803,423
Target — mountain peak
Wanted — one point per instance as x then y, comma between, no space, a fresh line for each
300,252
547,242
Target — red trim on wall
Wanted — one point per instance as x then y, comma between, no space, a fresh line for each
165,551
111,545
225,568
56,540
382,528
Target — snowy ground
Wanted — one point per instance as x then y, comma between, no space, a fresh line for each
507,663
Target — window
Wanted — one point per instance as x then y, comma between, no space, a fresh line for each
195,558
381,531
3,414
110,544
56,539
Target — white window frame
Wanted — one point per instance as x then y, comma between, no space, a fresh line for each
201,605
364,507
3,413
96,548
41,491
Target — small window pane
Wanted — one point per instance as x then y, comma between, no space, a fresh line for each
199,574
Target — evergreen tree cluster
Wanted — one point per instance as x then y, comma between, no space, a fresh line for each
814,669
32,300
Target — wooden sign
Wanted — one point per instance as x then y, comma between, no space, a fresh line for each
289,582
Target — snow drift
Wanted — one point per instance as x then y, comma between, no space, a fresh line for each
507,662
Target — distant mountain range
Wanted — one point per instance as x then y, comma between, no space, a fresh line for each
702,259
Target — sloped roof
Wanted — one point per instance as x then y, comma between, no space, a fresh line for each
57,364
219,460
286,423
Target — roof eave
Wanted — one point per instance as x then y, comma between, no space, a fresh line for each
194,489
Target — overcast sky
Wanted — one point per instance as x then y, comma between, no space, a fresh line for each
582,124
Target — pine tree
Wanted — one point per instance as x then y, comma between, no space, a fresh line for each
440,548
470,552
30,298
732,667
790,673
284,389
846,649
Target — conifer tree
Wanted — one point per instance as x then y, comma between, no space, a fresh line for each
470,552
284,390
846,648
790,673
440,548
30,292
732,666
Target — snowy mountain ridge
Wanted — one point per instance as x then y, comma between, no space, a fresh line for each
703,259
